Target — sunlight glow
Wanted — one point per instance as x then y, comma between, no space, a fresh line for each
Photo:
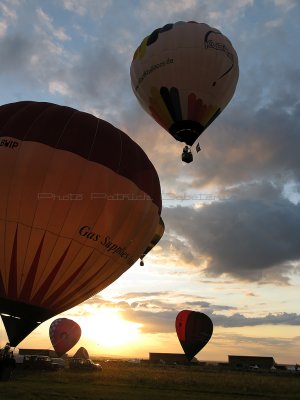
107,329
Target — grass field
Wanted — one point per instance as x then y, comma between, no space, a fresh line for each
124,381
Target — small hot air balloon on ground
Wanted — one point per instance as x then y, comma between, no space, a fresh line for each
183,75
64,334
79,203
82,353
194,330
156,238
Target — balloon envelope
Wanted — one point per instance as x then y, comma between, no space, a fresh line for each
64,334
81,353
194,330
184,74
160,229
79,203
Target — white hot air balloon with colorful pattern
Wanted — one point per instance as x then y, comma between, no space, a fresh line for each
183,75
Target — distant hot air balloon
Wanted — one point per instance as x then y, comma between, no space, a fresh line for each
79,203
82,353
183,75
156,238
64,334
194,330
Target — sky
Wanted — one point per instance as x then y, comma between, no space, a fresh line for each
231,247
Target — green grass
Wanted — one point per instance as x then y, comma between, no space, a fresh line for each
123,381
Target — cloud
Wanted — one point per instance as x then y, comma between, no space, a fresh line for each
245,146
77,6
285,5
274,23
82,7
224,16
143,295
30,62
248,239
157,311
59,87
8,10
98,75
154,321
15,53
250,294
47,22
166,9
3,28
258,342
93,78
239,320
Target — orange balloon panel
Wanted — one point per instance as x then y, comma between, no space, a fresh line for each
184,74
79,203
64,334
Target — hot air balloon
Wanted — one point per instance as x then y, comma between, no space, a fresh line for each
64,334
79,203
156,238
194,330
183,75
82,353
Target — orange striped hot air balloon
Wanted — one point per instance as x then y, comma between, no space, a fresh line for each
79,203
183,75
160,229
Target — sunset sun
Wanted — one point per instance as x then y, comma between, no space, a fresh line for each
106,328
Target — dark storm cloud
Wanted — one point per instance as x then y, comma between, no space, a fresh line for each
243,238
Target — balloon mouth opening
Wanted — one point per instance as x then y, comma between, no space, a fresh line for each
19,310
186,131
20,319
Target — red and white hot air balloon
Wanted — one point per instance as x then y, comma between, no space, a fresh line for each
64,333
